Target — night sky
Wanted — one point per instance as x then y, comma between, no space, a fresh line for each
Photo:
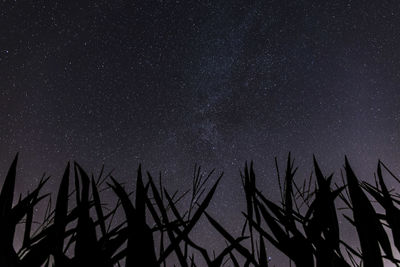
172,83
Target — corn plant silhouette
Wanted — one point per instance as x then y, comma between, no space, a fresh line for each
84,226
154,229
312,237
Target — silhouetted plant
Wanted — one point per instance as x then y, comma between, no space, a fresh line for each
304,225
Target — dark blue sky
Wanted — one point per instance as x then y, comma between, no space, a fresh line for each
172,83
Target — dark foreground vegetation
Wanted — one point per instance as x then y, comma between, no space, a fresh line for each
80,231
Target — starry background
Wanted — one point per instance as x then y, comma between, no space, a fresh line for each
172,83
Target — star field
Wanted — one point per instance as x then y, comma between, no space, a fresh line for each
172,83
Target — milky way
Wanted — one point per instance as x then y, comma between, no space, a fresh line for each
172,83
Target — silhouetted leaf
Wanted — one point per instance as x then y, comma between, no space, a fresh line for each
365,219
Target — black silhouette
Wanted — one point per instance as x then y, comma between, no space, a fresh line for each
304,226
